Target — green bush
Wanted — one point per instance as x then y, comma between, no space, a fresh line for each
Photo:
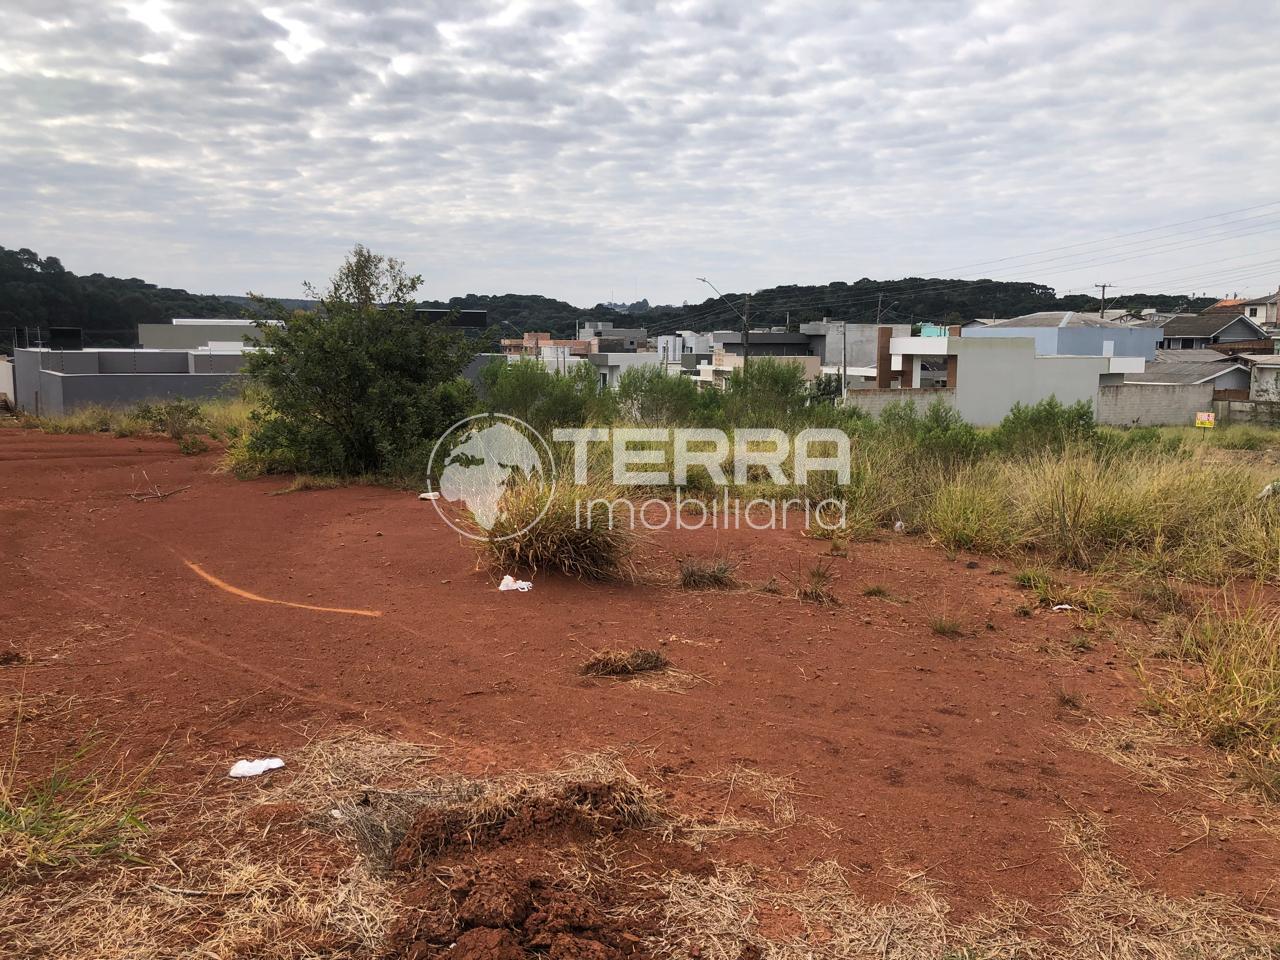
653,396
359,385
1047,425
176,418
544,398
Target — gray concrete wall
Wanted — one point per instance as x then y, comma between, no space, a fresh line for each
1126,342
67,361
116,390
51,383
995,373
1046,338
185,336
862,341
215,362
874,401
1080,341
26,378
1247,411
6,380
138,361
1153,404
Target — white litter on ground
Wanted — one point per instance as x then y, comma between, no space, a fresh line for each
511,583
254,768
1063,606
899,527
429,495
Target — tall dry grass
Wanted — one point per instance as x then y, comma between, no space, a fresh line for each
586,531
1231,695
1159,516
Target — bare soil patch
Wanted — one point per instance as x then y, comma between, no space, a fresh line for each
906,754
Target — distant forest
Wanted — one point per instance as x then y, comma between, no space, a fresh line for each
38,292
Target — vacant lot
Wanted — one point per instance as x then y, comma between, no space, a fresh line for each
934,765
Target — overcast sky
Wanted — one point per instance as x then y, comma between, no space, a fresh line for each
620,149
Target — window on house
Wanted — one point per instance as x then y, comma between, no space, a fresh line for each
1253,311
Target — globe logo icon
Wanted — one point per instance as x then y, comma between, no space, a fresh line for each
478,458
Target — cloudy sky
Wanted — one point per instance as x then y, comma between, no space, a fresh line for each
622,147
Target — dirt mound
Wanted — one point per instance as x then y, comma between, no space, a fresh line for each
500,908
564,812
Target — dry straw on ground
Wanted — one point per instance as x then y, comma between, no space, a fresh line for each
732,913
623,663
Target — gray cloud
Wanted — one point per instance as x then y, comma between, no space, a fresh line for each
582,149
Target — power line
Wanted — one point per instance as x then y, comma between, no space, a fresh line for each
1118,236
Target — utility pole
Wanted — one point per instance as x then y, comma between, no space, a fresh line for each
844,359
1102,303
879,300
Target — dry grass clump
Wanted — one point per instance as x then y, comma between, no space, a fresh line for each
465,812
586,531
1233,695
202,899
717,918
972,512
619,663
714,573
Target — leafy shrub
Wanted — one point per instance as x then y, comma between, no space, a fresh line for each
939,434
543,398
176,418
651,395
359,385
1047,425
190,446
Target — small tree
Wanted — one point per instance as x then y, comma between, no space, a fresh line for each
360,384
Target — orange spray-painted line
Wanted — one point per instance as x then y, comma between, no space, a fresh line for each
223,585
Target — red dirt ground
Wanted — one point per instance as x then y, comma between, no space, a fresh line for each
943,754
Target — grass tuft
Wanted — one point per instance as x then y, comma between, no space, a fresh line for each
814,584
84,809
715,573
578,534
946,626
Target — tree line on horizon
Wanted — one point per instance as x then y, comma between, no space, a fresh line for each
38,292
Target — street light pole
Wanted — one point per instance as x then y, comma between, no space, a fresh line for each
744,317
